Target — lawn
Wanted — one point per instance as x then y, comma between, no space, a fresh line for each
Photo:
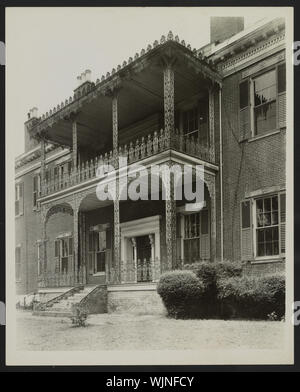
144,332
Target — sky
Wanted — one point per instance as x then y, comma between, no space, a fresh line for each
47,48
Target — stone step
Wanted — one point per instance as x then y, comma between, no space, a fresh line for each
63,307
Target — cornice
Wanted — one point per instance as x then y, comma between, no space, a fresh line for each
231,65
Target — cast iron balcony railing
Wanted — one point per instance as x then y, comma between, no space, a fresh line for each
135,151
141,271
61,279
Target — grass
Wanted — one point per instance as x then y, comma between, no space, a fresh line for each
144,332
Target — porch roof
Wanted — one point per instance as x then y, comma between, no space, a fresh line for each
139,83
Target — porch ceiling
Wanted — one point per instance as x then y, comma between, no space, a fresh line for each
140,94
91,202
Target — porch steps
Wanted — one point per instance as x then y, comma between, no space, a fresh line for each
63,306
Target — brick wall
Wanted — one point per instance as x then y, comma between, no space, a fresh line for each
28,231
264,268
247,166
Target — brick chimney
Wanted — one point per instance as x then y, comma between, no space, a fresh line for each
32,119
224,27
83,79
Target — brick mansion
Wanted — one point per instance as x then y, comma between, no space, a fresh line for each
222,106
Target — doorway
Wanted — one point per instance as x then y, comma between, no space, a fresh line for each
143,249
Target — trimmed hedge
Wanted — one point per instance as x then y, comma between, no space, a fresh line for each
210,272
219,290
180,292
253,297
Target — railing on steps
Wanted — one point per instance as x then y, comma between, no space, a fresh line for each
136,150
45,305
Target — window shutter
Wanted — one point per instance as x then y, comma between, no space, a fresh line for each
56,248
245,121
246,231
35,190
281,95
71,246
91,263
282,223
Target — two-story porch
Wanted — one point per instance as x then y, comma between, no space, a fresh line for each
159,108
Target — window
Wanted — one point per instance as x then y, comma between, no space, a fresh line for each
190,121
191,241
19,199
281,78
195,122
263,227
63,249
282,222
36,189
97,251
262,102
18,263
267,230
264,87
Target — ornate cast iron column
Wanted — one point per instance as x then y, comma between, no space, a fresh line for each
43,168
170,223
75,243
211,105
44,240
115,129
117,238
74,145
211,185
82,245
169,104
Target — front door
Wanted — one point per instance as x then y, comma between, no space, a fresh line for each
143,247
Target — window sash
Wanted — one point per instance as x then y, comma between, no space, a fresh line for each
267,229
276,87
97,248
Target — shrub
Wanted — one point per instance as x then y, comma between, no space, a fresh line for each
252,297
79,315
180,292
210,272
